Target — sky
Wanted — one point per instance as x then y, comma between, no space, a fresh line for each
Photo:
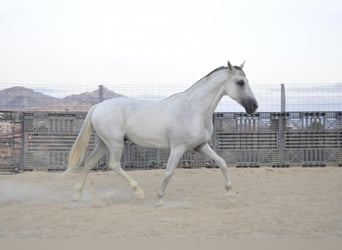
131,42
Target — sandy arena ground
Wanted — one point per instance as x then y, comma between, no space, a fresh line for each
269,203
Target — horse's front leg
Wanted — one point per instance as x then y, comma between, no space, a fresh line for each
208,151
175,155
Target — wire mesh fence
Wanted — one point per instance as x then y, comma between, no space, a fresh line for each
79,97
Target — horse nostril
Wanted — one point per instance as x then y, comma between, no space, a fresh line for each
255,106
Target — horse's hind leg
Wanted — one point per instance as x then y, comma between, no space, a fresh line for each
114,164
99,151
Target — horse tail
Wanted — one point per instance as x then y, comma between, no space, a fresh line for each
80,145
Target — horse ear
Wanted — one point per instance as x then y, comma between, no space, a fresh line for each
241,66
230,67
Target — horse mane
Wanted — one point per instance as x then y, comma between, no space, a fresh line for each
199,81
239,68
221,68
217,69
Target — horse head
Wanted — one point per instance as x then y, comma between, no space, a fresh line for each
237,87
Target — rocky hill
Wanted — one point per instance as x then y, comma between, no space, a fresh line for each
91,97
25,99
18,97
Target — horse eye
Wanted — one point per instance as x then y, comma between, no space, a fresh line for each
241,82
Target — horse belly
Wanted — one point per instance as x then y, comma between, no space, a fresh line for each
148,137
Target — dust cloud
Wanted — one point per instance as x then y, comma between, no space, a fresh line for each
18,192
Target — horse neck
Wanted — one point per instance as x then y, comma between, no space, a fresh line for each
206,93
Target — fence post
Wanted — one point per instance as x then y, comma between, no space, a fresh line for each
23,141
281,125
100,93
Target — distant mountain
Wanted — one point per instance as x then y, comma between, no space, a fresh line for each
21,98
91,97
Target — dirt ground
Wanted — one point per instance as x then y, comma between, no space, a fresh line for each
267,203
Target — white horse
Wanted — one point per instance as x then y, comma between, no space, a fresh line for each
180,122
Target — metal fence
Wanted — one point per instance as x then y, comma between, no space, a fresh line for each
279,139
42,140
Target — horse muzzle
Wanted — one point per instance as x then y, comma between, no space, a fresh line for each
250,105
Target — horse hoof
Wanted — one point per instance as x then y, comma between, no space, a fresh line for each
76,197
228,187
139,193
159,203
